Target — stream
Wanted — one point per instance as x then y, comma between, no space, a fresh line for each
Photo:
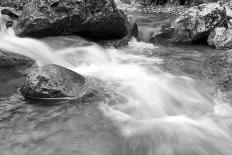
152,100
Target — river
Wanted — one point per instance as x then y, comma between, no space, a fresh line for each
151,100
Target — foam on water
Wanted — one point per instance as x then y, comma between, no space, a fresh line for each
158,113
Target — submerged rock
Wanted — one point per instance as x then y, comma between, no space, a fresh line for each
196,23
53,81
89,19
219,68
9,59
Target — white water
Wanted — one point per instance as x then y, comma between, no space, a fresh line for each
158,113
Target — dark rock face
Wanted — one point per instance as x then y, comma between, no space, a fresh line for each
196,23
94,19
132,29
9,59
219,67
53,81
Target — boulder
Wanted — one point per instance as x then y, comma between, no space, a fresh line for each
219,68
86,18
221,38
53,81
194,24
9,59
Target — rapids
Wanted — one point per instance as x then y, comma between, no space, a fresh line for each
153,100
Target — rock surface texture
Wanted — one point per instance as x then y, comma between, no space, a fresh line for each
53,81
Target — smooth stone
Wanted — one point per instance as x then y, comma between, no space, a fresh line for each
54,82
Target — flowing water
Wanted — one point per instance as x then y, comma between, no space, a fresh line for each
151,100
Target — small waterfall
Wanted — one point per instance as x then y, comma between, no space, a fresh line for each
4,30
156,113
32,48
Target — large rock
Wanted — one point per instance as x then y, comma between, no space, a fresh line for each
194,24
219,68
94,19
9,59
53,81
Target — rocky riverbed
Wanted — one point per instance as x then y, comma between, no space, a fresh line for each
92,77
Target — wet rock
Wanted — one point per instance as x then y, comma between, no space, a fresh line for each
219,68
221,38
194,24
89,19
132,29
9,59
53,81
157,35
